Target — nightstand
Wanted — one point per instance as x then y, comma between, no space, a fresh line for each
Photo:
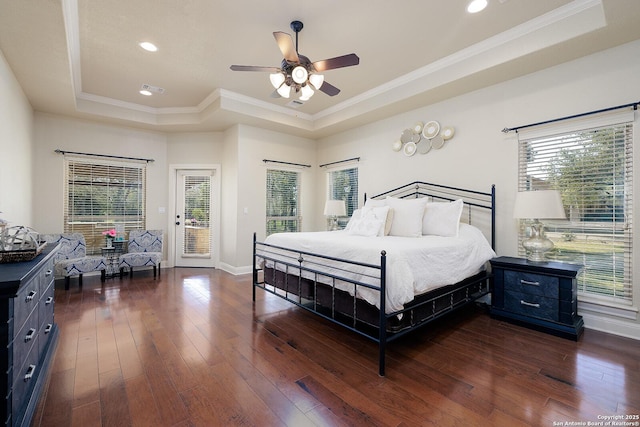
541,296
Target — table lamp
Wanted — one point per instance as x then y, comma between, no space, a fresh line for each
333,209
536,205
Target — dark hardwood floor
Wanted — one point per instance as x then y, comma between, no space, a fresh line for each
191,349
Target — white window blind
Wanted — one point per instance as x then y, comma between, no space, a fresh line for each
100,196
283,193
343,185
593,170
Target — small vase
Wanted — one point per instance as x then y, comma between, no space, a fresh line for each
109,243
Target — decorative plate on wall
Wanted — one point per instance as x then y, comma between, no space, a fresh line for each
437,142
431,129
409,149
424,146
447,132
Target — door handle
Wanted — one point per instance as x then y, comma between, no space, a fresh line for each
177,222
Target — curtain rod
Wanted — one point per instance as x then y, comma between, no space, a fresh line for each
357,159
285,163
103,155
604,110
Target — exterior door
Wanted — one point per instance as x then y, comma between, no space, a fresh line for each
193,218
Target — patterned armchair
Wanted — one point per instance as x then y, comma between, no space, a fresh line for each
72,259
145,250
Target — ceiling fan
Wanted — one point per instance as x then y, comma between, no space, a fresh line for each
297,73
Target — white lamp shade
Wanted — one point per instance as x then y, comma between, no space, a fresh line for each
276,79
299,74
543,204
316,80
335,208
306,92
284,90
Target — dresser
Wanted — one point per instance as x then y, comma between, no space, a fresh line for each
541,296
28,334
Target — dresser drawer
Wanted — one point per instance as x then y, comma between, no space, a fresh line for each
24,303
531,283
45,315
531,305
45,275
24,340
24,380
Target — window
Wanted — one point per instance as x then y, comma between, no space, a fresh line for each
592,169
103,195
343,185
283,194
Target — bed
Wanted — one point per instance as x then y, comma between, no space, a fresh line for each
407,257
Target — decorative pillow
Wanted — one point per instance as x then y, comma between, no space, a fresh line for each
355,216
407,216
371,222
380,203
442,219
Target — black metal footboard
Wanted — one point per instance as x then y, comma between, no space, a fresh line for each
327,287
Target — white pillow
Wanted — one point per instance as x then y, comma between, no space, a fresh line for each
442,219
355,216
371,222
407,216
375,203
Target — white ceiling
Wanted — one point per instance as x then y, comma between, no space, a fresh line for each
81,58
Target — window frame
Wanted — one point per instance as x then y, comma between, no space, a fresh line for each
101,173
296,217
624,123
351,202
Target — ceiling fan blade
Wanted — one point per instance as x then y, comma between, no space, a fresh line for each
337,62
329,89
285,43
254,68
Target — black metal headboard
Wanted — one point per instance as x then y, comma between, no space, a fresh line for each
474,201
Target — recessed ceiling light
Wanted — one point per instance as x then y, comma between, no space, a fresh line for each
148,46
145,93
476,6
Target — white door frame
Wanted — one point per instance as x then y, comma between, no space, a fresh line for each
215,227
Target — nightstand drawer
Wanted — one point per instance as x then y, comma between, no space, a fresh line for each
531,305
531,283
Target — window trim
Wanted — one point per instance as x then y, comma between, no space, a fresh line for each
625,308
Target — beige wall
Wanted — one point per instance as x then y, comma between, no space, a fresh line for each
16,145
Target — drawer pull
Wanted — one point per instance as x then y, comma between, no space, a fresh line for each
29,335
48,273
527,282
529,304
48,328
48,301
31,296
30,372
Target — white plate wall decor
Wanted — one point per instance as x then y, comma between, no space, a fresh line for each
423,137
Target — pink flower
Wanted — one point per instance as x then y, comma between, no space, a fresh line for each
109,233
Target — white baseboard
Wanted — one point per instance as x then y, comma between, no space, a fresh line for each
611,326
236,271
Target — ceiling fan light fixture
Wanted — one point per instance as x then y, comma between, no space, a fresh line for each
306,93
316,80
284,90
276,79
476,6
299,74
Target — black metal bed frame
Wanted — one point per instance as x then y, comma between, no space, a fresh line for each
304,279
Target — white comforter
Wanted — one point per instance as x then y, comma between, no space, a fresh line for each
415,265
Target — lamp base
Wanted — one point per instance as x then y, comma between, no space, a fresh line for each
333,224
538,244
